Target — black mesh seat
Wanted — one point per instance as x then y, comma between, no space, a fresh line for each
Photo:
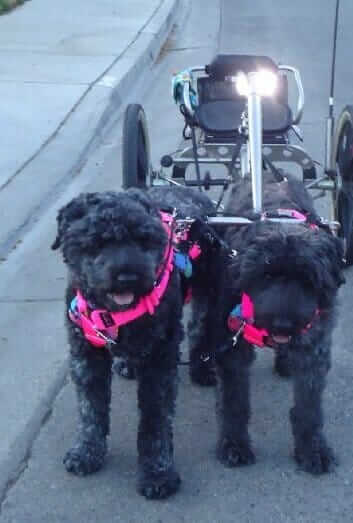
277,117
221,116
220,106
225,116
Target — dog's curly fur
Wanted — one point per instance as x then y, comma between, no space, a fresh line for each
290,271
113,243
195,204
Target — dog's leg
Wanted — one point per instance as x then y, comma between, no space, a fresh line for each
233,405
157,387
124,368
91,373
202,371
311,450
282,365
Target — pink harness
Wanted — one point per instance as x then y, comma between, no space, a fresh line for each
241,321
100,326
292,213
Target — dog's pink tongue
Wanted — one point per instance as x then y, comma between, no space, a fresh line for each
281,339
124,298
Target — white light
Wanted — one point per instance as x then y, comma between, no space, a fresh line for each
242,84
265,83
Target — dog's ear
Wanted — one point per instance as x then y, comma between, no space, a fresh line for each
328,265
340,260
143,198
74,210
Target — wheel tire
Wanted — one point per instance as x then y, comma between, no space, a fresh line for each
343,196
136,148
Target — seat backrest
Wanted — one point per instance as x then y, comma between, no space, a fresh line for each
210,90
231,64
219,87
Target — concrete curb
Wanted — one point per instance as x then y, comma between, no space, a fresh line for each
110,89
98,109
122,76
16,461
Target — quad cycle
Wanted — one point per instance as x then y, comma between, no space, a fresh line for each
237,115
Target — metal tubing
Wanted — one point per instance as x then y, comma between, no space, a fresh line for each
328,143
211,182
197,165
301,98
255,142
244,160
333,64
330,122
238,220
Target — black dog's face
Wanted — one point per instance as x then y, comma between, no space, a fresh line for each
283,306
114,245
120,273
290,277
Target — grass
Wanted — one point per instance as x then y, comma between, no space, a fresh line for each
6,5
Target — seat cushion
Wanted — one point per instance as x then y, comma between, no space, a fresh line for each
225,116
222,115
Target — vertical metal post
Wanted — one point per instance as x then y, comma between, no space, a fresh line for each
244,160
328,143
329,161
255,142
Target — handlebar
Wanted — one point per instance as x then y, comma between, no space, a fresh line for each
301,98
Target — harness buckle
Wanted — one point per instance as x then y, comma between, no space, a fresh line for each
103,336
238,333
107,319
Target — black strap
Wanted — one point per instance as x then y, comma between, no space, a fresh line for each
277,174
241,140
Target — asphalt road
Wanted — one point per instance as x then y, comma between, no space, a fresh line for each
272,490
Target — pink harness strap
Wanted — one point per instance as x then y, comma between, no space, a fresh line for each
244,323
297,215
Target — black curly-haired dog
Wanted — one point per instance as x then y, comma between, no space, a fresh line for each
196,205
117,250
284,280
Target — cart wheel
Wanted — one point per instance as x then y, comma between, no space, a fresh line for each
136,148
343,195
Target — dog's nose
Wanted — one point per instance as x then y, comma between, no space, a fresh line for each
125,277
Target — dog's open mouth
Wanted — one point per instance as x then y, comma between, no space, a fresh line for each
280,339
123,299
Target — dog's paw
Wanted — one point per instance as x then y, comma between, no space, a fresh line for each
233,454
85,458
203,375
159,486
124,369
316,461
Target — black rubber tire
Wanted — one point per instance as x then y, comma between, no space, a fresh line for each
136,148
343,196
